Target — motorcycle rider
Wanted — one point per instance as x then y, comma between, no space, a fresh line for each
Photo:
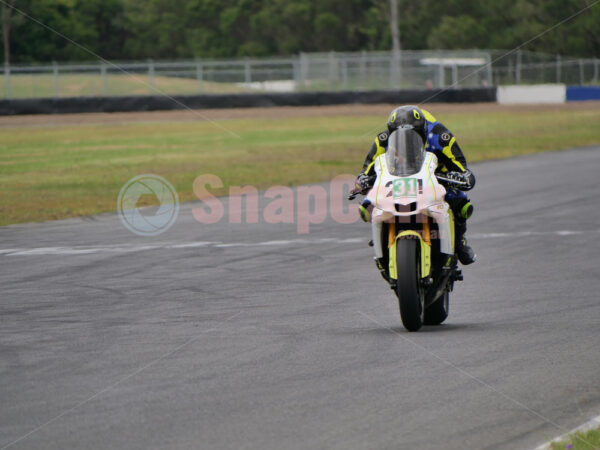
451,163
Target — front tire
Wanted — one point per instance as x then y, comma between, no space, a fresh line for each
437,312
408,289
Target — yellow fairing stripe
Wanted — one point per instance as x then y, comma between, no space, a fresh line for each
425,255
428,116
430,180
378,185
452,231
448,152
425,259
392,262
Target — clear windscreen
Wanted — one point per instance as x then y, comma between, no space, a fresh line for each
405,152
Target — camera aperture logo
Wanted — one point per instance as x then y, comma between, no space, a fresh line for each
147,220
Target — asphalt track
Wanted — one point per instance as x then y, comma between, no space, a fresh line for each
250,336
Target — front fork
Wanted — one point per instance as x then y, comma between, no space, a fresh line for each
389,272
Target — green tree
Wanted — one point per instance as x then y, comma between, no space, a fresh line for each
170,29
458,32
105,25
157,29
7,22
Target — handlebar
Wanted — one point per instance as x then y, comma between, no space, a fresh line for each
441,178
451,181
353,195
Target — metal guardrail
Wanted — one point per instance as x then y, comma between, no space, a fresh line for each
305,72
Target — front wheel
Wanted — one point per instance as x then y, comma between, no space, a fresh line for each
437,312
408,289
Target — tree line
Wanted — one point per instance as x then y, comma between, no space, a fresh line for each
174,29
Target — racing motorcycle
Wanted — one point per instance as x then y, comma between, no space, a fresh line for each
413,228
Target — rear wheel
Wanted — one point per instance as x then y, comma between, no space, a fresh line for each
408,289
437,312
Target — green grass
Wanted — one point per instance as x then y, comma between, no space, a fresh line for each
90,84
588,440
32,86
65,171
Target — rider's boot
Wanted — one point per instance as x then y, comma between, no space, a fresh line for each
465,253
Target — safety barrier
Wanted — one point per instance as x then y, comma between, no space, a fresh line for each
540,93
157,103
581,93
546,93
532,94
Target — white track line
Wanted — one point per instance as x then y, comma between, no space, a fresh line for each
589,425
531,233
125,248
86,250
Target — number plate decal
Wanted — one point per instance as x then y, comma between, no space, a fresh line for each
405,187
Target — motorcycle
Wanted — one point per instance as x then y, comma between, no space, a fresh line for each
413,229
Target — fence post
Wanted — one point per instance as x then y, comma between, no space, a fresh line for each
596,70
490,75
454,76
362,69
391,70
518,67
304,67
103,78
7,80
247,74
297,73
332,70
558,62
581,74
395,69
55,78
151,75
200,76
441,74
344,63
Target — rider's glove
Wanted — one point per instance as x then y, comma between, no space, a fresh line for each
457,177
363,183
464,180
470,179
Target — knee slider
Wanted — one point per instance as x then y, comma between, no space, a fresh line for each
467,210
365,211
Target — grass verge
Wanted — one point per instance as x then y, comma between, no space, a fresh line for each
75,170
588,440
36,86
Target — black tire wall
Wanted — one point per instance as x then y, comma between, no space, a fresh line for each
71,105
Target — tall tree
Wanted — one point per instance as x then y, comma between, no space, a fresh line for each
394,26
170,29
7,11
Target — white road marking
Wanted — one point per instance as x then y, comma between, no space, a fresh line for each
530,233
86,250
130,248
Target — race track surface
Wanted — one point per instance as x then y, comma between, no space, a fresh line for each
231,336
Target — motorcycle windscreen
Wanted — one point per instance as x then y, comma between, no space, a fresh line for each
405,152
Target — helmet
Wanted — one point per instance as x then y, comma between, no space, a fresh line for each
408,115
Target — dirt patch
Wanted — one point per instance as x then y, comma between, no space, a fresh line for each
383,110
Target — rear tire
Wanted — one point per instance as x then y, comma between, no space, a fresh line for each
408,289
438,310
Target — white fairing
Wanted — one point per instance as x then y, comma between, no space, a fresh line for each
428,196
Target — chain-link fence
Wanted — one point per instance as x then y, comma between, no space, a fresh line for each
305,72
